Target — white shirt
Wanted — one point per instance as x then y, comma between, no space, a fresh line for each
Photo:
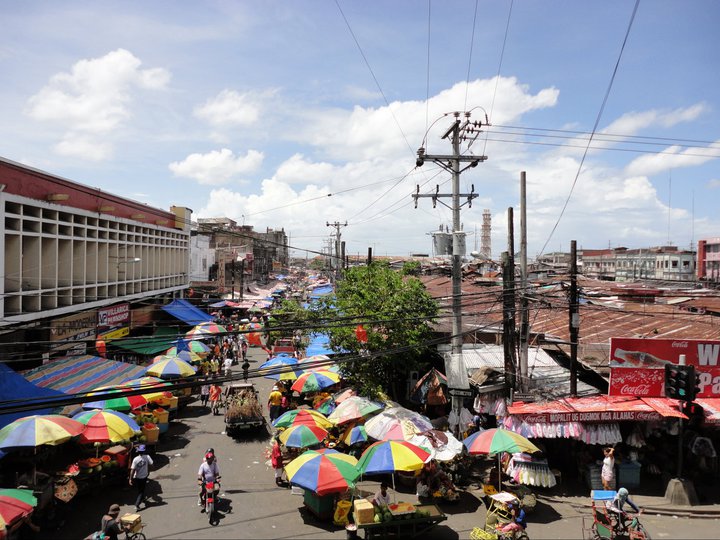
141,465
209,472
227,364
382,500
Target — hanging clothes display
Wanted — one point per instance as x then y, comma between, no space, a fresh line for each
524,469
602,434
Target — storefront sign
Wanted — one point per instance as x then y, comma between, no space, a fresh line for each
69,332
115,334
114,316
637,366
594,416
142,316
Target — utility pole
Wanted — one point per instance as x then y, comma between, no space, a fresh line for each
574,322
524,315
338,258
509,331
460,130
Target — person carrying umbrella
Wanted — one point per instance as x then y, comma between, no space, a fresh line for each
139,473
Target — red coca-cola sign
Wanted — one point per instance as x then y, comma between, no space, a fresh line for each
637,366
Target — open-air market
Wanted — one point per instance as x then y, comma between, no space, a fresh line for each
434,270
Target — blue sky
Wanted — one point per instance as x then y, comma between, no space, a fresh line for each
260,110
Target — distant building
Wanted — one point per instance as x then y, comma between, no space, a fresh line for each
708,260
673,264
634,264
597,263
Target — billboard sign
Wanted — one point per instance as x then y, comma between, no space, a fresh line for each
114,316
637,366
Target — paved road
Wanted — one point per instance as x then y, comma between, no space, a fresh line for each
253,507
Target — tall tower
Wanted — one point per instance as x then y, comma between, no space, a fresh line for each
485,239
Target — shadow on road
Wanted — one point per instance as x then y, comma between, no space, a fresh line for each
466,504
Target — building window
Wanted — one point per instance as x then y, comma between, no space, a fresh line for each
674,264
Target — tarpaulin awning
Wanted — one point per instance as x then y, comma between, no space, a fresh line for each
600,408
82,373
186,312
163,339
711,408
318,344
14,387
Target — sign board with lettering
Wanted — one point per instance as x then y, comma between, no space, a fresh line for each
67,332
113,316
593,416
637,366
458,392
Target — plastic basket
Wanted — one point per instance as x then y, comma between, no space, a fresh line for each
478,533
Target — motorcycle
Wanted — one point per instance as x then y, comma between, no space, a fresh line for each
209,497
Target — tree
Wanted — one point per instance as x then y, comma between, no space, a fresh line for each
394,310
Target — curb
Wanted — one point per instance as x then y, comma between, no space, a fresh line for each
688,512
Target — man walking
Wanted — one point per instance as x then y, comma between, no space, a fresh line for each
139,472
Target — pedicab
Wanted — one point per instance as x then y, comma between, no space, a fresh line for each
605,525
497,516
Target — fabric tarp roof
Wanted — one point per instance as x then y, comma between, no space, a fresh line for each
15,387
318,344
163,339
82,373
186,312
600,403
711,408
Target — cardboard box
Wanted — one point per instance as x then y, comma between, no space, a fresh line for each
130,519
364,511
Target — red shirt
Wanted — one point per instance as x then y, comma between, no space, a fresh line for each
215,393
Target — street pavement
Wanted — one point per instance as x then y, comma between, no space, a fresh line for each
252,506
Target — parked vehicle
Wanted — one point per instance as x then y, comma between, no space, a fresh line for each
243,410
283,345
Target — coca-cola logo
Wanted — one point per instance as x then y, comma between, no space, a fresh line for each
637,390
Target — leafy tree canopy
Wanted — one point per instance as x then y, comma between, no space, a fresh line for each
395,311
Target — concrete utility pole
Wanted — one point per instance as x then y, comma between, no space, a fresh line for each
524,315
460,130
338,257
574,322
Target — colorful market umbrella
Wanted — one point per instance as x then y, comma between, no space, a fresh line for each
314,381
397,423
354,408
120,403
390,456
153,385
319,362
205,329
354,435
496,441
342,395
323,473
443,446
308,417
37,430
15,504
280,368
303,436
193,345
186,356
170,368
106,426
325,405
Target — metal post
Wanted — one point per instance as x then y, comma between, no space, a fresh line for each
574,323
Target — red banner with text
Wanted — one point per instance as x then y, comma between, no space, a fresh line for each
637,366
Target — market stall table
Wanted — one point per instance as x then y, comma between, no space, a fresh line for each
425,517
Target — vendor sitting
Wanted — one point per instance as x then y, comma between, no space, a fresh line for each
432,480
382,497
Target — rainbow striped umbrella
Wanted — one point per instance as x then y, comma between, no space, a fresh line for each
205,329
354,408
39,429
153,385
186,356
354,435
198,347
105,426
314,381
280,368
120,403
496,441
319,362
326,405
16,503
303,436
390,456
308,417
323,473
170,368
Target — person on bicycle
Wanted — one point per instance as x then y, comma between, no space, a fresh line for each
616,507
518,522
208,472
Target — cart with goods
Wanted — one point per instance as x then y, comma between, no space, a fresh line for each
243,410
604,526
398,520
133,525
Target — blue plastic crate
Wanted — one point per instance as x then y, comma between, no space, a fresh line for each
602,494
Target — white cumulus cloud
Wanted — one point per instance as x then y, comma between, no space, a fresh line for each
93,99
217,167
231,108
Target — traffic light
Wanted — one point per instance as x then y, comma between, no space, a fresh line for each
680,382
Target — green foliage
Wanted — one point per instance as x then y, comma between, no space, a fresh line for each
395,310
411,268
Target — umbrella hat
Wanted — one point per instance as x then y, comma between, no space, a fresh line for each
302,416
323,473
390,456
106,426
33,431
495,441
302,436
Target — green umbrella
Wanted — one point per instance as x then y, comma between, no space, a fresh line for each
23,495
